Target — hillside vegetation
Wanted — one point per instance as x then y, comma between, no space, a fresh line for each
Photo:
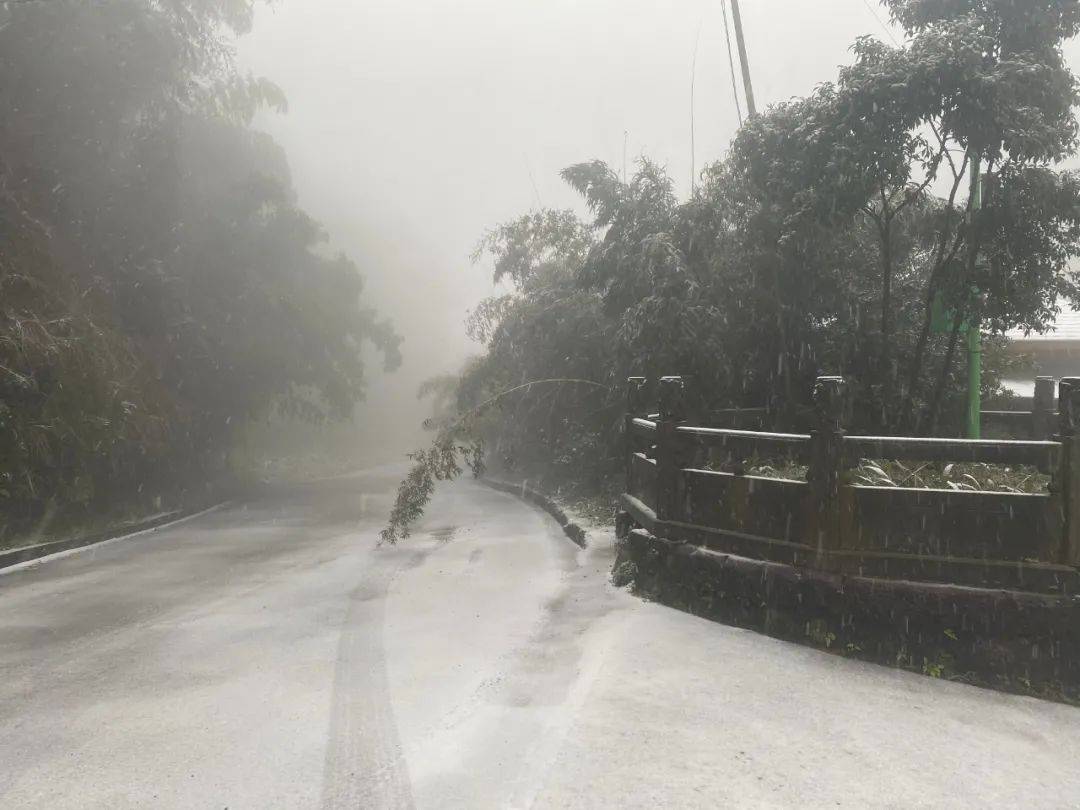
838,235
159,284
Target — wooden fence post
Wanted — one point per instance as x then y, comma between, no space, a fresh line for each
693,411
1042,405
635,407
635,397
672,411
1068,483
826,463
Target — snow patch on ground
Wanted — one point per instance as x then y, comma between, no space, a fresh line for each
556,689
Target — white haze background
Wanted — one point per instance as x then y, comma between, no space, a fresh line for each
414,125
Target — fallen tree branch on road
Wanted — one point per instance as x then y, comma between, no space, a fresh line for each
457,444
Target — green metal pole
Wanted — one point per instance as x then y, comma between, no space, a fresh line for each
974,338
974,347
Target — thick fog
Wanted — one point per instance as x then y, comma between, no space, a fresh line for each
415,124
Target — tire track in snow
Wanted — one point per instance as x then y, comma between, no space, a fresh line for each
365,767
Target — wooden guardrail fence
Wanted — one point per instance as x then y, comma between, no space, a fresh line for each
1034,417
991,539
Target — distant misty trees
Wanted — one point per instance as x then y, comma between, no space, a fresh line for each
158,283
823,243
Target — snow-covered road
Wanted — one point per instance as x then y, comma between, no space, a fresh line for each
269,655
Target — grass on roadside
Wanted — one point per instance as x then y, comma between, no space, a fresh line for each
965,476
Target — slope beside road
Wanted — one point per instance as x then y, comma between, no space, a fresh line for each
270,655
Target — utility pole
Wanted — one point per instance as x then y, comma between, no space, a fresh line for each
751,109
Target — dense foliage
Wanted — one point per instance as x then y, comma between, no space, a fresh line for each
821,244
158,283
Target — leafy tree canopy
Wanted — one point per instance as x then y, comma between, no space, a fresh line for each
158,282
821,243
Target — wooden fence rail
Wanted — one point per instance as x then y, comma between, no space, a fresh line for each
996,539
1034,417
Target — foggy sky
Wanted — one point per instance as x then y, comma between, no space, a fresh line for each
414,125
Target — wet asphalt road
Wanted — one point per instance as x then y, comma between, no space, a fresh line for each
270,655
235,659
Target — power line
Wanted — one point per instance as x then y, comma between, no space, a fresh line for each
536,191
731,61
884,27
625,141
693,76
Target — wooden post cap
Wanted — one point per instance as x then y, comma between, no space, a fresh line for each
829,395
635,395
672,399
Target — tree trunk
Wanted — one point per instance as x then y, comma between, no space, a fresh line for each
970,261
943,377
906,414
906,411
886,323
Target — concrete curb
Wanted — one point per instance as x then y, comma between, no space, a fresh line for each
569,527
17,556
